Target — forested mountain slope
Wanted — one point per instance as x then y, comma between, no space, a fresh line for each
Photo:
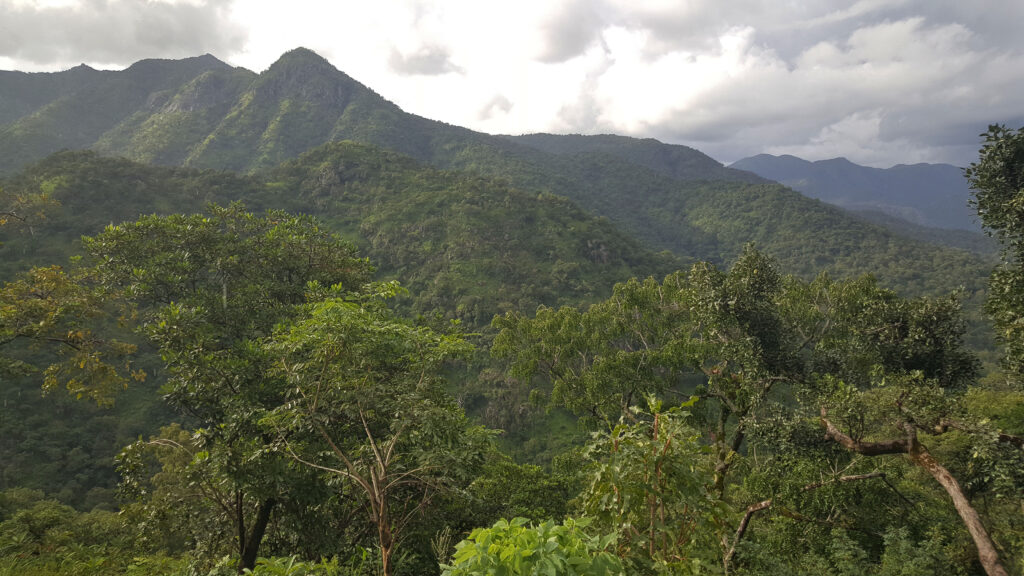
263,366
972,241
466,245
43,113
470,247
203,113
673,160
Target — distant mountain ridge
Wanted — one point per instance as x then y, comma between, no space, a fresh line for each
42,113
673,160
203,113
933,195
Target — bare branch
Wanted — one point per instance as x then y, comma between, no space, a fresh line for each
899,446
765,504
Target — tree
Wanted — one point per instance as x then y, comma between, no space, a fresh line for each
915,375
770,352
651,481
24,210
716,334
176,498
364,406
997,179
208,289
53,310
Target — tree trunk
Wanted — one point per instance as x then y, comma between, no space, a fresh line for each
722,452
386,547
918,454
250,545
987,553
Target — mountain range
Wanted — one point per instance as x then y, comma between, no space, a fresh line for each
931,195
201,113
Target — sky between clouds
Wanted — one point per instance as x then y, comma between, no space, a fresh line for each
878,81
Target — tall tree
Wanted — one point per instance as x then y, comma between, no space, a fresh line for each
209,288
997,179
365,407
705,331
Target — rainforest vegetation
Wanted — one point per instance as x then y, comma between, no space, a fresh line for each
433,351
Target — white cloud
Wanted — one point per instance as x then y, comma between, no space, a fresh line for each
857,136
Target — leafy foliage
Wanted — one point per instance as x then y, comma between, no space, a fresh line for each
997,179
47,306
517,548
775,354
652,481
314,418
211,288
364,406
39,536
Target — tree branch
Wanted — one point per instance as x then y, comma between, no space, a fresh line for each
765,504
899,446
944,426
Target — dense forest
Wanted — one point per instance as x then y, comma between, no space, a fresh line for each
329,337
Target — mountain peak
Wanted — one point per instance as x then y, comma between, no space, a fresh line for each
163,70
302,57
209,60
838,161
304,74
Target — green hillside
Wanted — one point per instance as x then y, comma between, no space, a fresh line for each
73,109
462,244
201,113
468,246
968,240
712,220
674,161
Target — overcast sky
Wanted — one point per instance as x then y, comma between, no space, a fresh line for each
878,81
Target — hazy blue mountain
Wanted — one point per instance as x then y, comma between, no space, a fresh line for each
933,195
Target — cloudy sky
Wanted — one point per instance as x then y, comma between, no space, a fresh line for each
878,81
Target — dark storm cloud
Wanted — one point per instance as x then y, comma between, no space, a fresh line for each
116,31
427,61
